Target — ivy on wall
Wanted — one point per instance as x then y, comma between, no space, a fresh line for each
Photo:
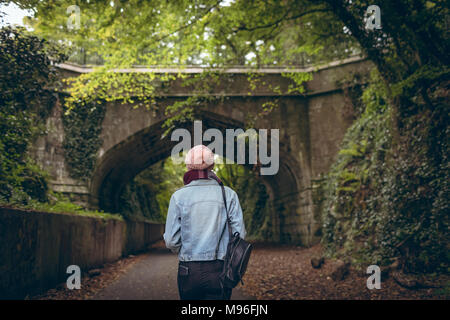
27,79
82,128
380,204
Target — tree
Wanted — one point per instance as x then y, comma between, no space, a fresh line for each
410,51
26,97
208,33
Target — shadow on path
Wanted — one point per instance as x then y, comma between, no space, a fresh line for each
154,277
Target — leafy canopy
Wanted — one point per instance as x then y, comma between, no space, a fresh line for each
212,34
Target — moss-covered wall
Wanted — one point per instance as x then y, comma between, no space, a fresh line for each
385,197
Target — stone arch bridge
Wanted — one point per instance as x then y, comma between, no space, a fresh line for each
311,127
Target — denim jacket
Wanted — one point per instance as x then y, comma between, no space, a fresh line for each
196,219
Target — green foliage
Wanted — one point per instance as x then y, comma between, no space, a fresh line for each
299,79
206,33
410,50
253,198
148,195
209,33
26,77
82,128
379,203
23,183
27,94
417,191
58,203
425,75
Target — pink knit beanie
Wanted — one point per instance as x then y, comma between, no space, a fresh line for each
199,157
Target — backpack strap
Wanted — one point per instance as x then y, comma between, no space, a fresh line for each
226,210
227,222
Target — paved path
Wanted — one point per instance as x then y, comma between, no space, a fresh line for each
151,278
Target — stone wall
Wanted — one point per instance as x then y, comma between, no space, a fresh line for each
37,247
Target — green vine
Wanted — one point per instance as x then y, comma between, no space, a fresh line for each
82,128
27,81
379,203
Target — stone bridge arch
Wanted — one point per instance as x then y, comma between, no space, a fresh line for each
121,162
311,127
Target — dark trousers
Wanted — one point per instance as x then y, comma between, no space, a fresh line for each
199,280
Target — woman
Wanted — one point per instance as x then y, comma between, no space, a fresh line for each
196,227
